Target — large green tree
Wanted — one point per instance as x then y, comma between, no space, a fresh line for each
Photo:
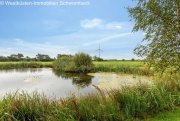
160,20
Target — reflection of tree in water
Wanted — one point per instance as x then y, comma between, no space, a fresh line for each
80,80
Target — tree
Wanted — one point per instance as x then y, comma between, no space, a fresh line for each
42,57
95,58
160,20
20,56
82,59
13,57
132,59
63,55
3,59
81,62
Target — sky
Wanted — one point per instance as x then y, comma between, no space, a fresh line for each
69,29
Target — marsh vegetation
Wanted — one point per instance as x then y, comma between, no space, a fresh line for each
139,102
159,20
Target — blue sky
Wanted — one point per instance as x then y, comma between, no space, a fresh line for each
69,29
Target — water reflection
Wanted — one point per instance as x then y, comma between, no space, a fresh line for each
55,83
80,80
44,80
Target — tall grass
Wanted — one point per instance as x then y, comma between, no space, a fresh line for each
134,103
130,67
15,65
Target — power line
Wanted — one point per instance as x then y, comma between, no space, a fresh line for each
99,50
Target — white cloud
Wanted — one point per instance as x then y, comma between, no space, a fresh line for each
94,23
100,24
113,37
106,39
113,25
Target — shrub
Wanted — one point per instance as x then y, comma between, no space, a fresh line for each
62,63
81,62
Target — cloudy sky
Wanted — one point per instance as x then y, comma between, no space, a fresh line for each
69,29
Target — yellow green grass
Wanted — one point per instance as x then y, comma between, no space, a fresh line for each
130,67
15,65
119,63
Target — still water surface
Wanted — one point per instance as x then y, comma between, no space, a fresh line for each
56,84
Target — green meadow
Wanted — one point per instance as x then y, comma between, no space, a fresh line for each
130,67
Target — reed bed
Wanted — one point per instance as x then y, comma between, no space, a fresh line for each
17,65
130,67
135,103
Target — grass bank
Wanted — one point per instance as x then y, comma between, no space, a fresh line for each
16,65
167,116
137,103
130,67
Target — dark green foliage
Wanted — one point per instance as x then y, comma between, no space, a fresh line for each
43,57
95,58
62,63
159,19
81,62
20,57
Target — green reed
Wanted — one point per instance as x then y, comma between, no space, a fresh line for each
135,103
17,65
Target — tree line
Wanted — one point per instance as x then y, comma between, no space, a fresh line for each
21,57
45,57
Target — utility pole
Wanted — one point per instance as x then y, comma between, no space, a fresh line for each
99,50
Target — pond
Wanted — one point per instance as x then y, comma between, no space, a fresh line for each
56,84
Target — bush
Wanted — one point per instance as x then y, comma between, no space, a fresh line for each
81,62
62,63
